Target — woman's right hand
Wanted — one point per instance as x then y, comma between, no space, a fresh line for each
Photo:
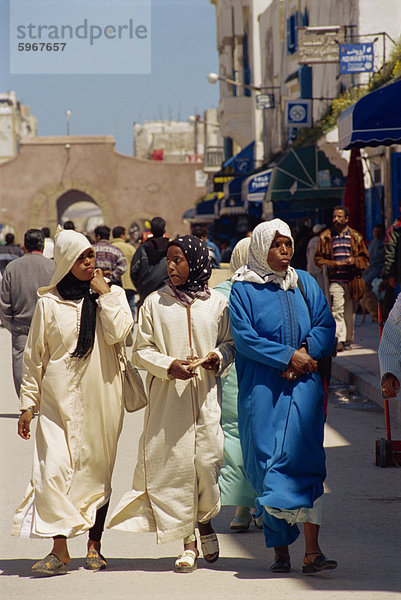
390,386
24,424
303,363
178,369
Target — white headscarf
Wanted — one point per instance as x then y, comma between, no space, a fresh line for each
258,269
239,256
68,246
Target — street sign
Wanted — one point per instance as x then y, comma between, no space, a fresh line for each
298,113
319,44
265,101
356,58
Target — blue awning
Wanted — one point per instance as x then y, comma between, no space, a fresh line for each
254,188
243,162
375,120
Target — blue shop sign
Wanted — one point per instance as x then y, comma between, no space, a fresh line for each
356,58
255,187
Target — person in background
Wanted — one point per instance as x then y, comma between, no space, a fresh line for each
69,225
376,262
72,381
21,279
48,250
344,252
280,330
149,264
301,242
201,232
10,251
120,241
109,258
175,482
234,485
391,273
311,248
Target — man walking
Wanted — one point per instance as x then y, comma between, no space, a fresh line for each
344,252
120,241
10,251
109,258
21,279
149,265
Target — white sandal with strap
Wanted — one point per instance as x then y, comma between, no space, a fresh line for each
186,562
210,547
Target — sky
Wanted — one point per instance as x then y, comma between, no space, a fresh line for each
183,53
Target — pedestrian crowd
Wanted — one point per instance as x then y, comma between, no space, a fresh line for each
236,392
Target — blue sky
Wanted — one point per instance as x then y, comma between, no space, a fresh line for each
183,53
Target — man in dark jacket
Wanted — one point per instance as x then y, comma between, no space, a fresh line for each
10,251
149,263
344,252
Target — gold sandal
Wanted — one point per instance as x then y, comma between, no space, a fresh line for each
186,562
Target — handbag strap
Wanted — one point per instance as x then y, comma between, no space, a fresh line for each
192,353
121,355
302,290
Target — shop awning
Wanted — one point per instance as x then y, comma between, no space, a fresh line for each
206,208
375,120
305,174
243,162
254,188
232,206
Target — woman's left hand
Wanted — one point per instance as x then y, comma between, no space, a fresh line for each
98,283
212,363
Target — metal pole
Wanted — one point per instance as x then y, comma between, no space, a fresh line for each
265,148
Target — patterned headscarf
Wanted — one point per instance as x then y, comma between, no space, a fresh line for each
259,270
239,256
200,269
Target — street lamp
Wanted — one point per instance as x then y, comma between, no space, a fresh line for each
214,78
67,116
195,119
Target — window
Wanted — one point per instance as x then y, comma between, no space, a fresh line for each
247,70
292,33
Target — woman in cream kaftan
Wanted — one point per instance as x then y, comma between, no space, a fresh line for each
181,449
71,379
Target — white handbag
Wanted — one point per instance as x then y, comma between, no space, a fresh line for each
134,394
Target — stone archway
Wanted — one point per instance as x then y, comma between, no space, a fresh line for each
46,208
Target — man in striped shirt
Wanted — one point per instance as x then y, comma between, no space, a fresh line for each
343,250
109,258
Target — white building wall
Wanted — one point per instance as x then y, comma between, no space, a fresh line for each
239,119
176,138
277,65
16,122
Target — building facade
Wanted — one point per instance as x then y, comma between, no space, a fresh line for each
16,122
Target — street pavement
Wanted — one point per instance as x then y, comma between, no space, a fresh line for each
361,522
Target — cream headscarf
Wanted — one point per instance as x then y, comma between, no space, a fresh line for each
239,256
258,269
68,246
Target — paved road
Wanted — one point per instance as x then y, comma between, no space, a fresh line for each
361,527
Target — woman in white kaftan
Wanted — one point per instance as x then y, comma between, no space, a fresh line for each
180,453
72,380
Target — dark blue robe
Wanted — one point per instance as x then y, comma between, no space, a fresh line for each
280,422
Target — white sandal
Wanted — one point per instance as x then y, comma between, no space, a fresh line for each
186,562
210,547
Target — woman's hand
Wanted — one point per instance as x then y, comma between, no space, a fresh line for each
390,386
179,370
98,283
24,424
302,363
212,363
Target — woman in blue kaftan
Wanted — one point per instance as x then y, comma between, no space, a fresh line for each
279,338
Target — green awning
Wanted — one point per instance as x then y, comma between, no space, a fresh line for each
305,175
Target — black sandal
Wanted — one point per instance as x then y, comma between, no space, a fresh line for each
321,563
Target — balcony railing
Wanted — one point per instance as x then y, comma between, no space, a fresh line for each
214,156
